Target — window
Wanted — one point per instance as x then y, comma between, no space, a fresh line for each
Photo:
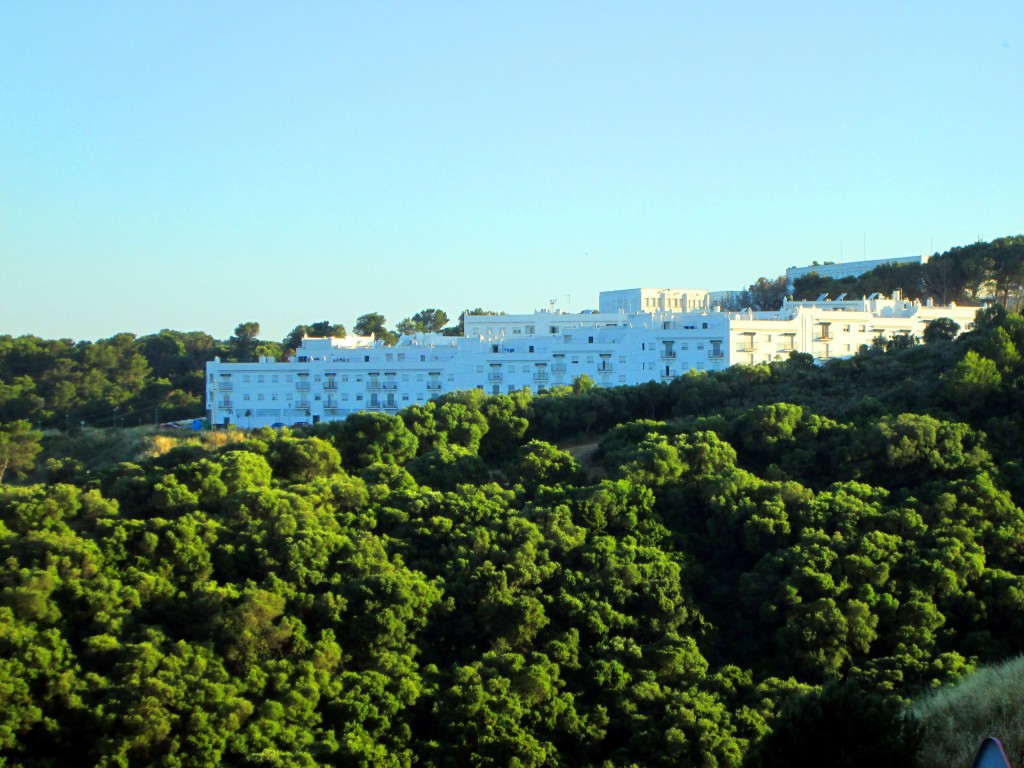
344,395
289,377
274,378
245,377
260,378
288,396
359,397
531,348
553,329
419,377
245,397
344,379
704,326
479,369
259,396
273,396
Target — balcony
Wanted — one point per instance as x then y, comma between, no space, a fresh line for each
495,377
558,368
302,403
667,354
373,385
716,355
302,386
824,337
747,346
605,368
225,386
390,385
330,385
224,404
433,385
540,377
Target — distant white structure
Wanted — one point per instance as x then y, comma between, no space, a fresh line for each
328,379
848,268
631,300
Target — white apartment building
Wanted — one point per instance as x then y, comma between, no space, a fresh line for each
327,379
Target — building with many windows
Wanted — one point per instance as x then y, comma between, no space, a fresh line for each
627,341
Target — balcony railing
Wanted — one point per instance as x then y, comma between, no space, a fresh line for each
330,385
495,377
302,403
433,385
668,355
540,377
390,385
373,385
605,367
225,386
713,355
558,368
224,404
747,346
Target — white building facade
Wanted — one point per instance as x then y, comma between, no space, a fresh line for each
328,379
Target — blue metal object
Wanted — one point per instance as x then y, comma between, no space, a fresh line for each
991,755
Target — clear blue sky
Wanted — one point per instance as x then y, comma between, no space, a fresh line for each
192,165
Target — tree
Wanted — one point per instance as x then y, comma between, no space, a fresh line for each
242,346
430,319
319,330
767,295
841,725
19,444
941,329
373,324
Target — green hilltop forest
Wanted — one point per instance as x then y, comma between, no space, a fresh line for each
699,573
